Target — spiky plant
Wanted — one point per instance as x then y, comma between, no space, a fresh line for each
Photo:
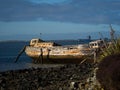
113,48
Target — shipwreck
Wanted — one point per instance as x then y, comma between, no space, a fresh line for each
49,52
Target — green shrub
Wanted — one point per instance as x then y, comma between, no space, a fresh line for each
108,73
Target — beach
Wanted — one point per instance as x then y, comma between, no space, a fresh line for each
50,78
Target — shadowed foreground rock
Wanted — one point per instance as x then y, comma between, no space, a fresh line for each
67,77
108,73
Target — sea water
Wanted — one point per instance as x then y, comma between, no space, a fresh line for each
10,49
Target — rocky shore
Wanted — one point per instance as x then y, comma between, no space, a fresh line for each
66,77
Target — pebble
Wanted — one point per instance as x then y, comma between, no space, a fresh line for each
67,77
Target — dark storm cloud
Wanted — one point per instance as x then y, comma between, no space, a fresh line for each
76,11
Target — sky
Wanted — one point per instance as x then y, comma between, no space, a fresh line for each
57,19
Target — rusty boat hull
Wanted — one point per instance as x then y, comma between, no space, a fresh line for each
58,54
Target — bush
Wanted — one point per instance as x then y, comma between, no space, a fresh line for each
108,73
112,48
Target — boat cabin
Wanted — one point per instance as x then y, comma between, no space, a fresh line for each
34,41
96,44
41,43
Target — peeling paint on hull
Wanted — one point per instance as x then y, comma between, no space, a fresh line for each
56,55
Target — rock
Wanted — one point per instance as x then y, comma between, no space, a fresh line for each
52,78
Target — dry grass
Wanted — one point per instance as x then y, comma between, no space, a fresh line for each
108,73
111,49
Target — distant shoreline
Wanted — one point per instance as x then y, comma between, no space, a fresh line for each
45,40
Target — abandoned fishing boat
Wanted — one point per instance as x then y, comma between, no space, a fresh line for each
49,52
45,52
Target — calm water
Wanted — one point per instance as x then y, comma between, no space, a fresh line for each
10,50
